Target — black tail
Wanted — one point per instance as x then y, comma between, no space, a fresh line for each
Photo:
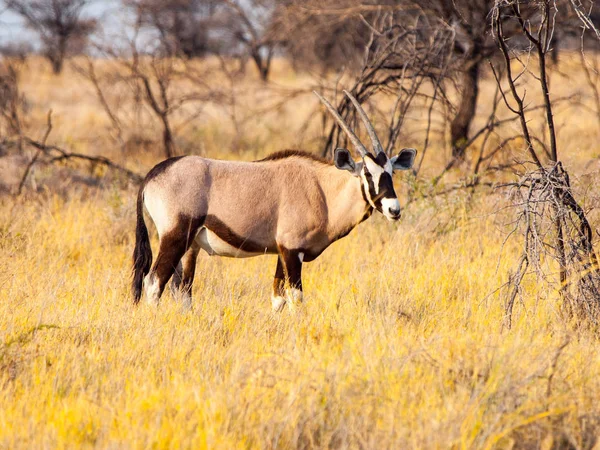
142,254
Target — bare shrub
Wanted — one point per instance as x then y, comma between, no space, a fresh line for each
12,101
59,24
553,224
182,26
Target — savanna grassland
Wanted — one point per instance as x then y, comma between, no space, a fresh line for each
401,341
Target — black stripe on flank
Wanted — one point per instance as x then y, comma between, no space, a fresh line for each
226,234
186,228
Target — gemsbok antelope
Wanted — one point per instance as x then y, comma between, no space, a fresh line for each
291,203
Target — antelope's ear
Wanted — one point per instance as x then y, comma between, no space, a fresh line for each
343,160
404,160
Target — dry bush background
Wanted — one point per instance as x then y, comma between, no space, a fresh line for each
401,342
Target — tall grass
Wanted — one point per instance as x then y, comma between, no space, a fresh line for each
399,344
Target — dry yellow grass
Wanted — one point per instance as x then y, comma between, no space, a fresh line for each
400,342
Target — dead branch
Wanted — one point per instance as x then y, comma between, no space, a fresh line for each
89,73
57,154
36,156
544,196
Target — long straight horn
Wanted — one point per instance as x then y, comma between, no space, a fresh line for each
357,144
363,115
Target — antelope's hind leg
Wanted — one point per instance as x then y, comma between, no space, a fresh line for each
176,279
183,277
172,248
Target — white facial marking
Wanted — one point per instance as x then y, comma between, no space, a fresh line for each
152,289
366,186
376,171
301,256
388,205
277,303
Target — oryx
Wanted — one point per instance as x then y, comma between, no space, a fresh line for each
291,203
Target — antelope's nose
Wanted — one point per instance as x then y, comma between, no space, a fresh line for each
394,213
391,208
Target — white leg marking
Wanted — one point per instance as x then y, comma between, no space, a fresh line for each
294,298
182,296
278,303
151,287
301,256
186,301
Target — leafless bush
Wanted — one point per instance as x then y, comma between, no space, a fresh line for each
12,101
17,50
324,35
196,28
397,62
59,25
181,26
249,29
553,224
171,90
555,227
14,133
87,70
591,69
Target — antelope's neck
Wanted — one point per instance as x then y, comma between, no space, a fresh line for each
346,203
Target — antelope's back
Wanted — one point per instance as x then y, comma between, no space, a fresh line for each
256,200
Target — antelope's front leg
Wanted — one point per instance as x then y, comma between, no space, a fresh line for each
278,297
292,261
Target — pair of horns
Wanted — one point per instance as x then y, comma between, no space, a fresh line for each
363,115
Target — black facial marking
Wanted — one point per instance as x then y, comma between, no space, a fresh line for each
386,186
369,209
381,159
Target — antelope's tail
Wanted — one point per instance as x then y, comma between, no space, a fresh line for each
142,254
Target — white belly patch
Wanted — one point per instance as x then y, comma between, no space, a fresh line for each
213,245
